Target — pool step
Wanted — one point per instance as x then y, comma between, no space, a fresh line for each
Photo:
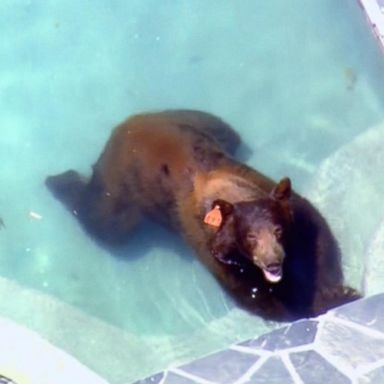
348,188
115,354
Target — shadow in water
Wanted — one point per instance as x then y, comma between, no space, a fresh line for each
144,238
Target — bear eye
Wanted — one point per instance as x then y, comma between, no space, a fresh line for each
278,232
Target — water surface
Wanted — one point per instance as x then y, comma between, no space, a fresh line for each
299,82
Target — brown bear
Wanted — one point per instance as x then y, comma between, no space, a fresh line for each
267,246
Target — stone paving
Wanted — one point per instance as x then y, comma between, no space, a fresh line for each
344,346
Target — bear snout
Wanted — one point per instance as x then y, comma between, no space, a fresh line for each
267,252
268,255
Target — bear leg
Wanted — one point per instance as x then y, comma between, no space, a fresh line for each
66,187
329,298
106,218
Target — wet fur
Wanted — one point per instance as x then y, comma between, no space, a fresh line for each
172,166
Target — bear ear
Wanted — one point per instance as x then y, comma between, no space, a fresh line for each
283,190
226,208
221,209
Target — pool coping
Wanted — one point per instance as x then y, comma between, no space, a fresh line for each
375,16
346,345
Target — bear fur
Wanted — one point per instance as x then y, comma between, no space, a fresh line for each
269,248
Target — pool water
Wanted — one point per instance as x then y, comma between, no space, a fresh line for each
303,84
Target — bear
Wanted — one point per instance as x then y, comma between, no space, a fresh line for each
268,247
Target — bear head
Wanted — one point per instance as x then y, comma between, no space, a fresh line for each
256,229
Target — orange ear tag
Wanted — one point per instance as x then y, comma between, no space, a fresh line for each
214,217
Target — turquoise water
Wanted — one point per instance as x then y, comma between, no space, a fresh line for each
299,82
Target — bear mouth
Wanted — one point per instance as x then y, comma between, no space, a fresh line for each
273,273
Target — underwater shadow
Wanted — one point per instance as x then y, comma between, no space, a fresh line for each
144,238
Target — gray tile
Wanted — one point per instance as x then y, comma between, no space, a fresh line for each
221,367
349,345
373,377
273,371
174,378
154,379
368,311
6,380
314,369
299,333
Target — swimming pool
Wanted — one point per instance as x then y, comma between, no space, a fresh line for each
303,86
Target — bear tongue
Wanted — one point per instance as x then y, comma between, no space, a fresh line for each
272,277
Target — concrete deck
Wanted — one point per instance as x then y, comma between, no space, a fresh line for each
26,358
374,11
